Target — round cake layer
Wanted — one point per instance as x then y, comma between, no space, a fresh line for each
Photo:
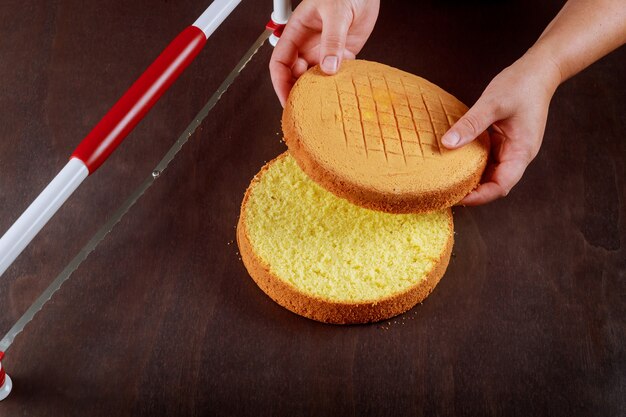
324,258
372,134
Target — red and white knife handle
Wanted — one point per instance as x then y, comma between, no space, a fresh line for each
140,97
102,140
113,128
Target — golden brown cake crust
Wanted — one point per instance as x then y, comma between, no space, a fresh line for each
372,134
328,311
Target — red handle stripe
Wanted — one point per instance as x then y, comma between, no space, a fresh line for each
276,28
139,98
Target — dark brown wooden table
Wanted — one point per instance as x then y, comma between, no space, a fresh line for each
162,318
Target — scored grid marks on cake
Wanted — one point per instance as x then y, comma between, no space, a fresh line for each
395,117
358,106
343,125
380,114
443,110
417,132
430,119
380,128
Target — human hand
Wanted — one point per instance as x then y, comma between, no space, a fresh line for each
320,32
515,105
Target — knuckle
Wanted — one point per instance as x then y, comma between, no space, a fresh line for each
527,154
495,105
471,123
333,41
339,9
531,154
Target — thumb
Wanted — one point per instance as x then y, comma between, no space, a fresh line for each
470,125
333,41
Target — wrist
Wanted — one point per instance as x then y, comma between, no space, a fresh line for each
545,65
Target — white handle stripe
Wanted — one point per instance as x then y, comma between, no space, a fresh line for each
282,11
214,15
40,211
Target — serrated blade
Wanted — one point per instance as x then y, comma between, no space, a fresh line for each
104,230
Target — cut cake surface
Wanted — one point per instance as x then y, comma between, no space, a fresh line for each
324,258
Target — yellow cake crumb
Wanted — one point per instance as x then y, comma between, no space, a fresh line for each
329,248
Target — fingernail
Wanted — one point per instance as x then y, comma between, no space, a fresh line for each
451,139
329,64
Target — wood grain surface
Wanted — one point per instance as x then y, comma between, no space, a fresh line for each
162,318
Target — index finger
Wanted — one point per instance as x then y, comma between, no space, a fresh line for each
283,58
502,179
